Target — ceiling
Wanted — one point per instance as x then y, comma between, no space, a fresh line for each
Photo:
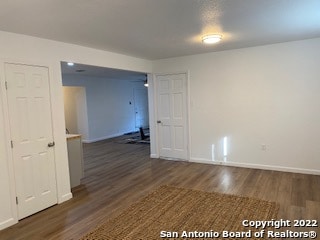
157,29
101,72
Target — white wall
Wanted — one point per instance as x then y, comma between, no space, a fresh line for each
255,96
30,50
108,105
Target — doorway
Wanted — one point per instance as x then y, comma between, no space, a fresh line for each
116,100
75,110
140,96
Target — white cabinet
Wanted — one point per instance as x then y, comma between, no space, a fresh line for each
75,155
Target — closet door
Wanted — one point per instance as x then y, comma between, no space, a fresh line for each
32,137
172,116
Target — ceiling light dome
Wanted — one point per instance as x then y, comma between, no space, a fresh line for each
210,39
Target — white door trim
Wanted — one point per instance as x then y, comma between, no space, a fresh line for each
154,92
9,155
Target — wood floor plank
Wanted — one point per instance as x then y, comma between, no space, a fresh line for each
118,174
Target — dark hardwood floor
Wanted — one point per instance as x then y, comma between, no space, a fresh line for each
118,174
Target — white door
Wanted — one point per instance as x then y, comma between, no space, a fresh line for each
141,107
172,115
32,141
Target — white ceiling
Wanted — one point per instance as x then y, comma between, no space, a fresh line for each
156,29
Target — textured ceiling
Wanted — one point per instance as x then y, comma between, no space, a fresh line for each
156,29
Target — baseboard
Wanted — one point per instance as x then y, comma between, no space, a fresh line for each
65,197
153,155
102,138
11,221
257,166
203,160
8,223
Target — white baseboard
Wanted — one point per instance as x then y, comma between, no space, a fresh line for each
7,223
11,221
65,197
203,160
257,166
153,155
102,138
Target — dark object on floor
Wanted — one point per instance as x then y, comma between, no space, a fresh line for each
143,135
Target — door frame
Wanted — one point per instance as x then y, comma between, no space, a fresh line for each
8,153
153,115
60,151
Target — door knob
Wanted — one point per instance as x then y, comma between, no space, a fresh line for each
51,144
158,121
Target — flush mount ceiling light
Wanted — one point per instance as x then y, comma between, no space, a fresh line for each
210,39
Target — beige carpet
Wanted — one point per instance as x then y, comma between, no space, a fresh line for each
170,209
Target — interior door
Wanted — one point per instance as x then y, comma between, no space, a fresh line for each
32,139
141,107
172,116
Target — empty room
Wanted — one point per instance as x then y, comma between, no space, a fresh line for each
231,142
